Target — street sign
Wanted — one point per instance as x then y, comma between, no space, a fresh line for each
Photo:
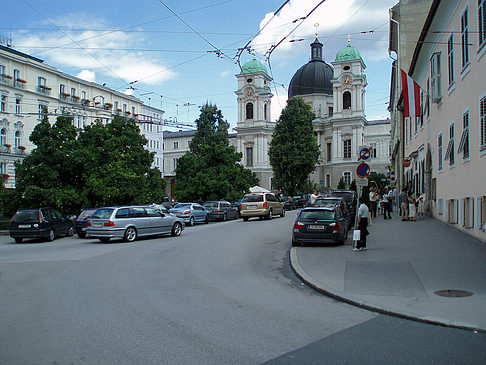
406,162
361,183
363,170
365,153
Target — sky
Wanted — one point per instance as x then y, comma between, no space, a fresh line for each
177,55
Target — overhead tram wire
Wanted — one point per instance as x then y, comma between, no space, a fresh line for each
217,51
90,54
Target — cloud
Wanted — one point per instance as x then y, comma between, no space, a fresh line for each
87,75
109,54
225,73
336,19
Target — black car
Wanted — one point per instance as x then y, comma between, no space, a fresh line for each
288,201
351,198
221,210
320,225
44,223
299,201
80,222
330,201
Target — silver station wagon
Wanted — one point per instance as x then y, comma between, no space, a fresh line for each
130,222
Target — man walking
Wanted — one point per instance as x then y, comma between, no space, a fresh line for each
362,225
403,199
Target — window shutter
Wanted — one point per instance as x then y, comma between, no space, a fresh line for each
463,212
448,210
480,211
471,213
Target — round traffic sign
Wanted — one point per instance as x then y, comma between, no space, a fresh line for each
363,170
364,153
406,162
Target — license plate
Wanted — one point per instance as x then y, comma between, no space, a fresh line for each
24,225
97,225
315,227
252,206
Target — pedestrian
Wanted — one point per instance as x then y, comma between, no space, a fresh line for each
412,208
373,202
403,199
314,196
362,225
386,206
421,206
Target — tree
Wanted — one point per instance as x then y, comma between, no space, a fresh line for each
293,151
100,165
211,170
341,184
353,186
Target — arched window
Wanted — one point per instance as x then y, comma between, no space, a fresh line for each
3,137
346,100
18,141
249,111
265,111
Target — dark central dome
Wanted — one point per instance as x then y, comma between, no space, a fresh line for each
314,77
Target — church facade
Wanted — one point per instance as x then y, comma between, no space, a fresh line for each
336,95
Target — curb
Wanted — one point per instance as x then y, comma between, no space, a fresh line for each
320,287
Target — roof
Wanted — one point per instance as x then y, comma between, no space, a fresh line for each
8,49
348,53
253,66
168,134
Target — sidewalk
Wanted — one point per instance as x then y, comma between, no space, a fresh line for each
405,265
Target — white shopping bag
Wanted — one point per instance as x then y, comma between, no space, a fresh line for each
356,235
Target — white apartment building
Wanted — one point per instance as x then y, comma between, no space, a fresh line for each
29,88
447,144
151,122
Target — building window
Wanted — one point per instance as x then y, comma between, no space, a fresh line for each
449,155
347,148
17,140
3,103
175,163
482,122
3,137
464,143
3,75
328,180
249,156
176,145
373,150
427,100
18,105
465,38
331,111
347,178
482,21
346,100
439,153
436,77
249,111
329,149
265,107
450,59
42,111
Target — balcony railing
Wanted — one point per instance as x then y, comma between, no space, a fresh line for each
42,89
19,83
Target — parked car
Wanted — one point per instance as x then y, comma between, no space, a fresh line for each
236,204
45,223
299,201
262,205
191,213
81,221
221,210
288,201
351,198
320,225
335,200
130,222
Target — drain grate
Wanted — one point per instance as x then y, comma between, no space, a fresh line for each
453,293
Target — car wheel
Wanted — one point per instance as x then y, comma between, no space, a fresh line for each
206,220
104,239
130,234
82,234
246,219
295,243
71,231
19,240
176,229
270,214
51,236
283,213
191,221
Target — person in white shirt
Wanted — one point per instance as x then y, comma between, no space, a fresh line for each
314,196
362,225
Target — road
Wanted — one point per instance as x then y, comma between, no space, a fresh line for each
221,293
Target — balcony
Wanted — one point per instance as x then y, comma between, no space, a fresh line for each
19,83
64,96
19,151
5,79
45,90
75,99
5,148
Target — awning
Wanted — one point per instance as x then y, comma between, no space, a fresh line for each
258,189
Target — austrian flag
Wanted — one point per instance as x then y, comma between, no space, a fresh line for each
411,96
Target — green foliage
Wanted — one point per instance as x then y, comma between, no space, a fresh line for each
353,186
8,202
341,184
211,169
293,151
374,179
100,165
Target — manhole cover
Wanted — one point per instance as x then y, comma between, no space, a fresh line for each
453,293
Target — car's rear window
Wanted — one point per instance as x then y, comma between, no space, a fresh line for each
325,203
86,213
103,213
182,205
317,214
26,216
252,198
211,205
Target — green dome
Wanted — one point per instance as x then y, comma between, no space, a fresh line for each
253,66
348,54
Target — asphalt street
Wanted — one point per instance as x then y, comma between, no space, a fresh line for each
220,293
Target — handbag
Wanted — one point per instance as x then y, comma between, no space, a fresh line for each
356,235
